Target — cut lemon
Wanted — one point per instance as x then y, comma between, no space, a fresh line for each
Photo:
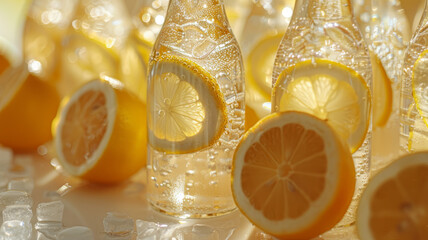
186,111
382,92
100,133
420,85
329,90
293,177
260,62
394,205
27,107
251,117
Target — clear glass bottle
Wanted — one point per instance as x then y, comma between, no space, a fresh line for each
92,44
323,68
390,35
263,30
196,110
414,101
147,17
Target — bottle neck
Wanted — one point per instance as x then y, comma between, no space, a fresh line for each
180,11
323,9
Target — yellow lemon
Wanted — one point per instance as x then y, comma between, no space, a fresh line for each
293,177
100,132
27,107
395,203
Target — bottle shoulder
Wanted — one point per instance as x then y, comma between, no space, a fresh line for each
339,41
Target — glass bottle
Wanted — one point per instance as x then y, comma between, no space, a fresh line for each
323,68
236,11
147,17
92,44
390,35
263,30
195,103
47,22
414,103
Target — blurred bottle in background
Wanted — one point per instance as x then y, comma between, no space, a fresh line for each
237,11
47,22
386,30
92,44
414,100
261,35
147,18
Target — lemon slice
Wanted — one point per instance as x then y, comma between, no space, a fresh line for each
330,91
292,176
100,132
186,111
420,85
260,64
12,15
395,202
382,104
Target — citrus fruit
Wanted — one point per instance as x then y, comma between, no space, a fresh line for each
251,117
187,110
100,132
292,176
420,84
329,90
27,107
382,93
4,63
259,64
394,205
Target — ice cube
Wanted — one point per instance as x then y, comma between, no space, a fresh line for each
50,211
22,167
14,198
18,212
197,231
21,184
116,224
147,230
15,229
6,156
4,180
77,232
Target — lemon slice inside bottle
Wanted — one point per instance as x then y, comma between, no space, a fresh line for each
260,62
329,90
420,85
382,104
187,111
